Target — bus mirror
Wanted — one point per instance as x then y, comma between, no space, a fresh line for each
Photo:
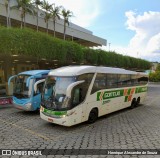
28,80
70,87
38,82
9,80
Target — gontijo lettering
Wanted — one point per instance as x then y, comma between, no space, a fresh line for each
109,94
118,93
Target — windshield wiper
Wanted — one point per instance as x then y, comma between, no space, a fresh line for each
49,102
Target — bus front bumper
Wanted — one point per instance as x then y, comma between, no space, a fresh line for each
60,121
26,107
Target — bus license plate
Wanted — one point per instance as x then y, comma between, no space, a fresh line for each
18,107
50,120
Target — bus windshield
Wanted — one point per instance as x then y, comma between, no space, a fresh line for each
54,92
20,89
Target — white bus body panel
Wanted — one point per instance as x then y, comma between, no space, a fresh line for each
72,117
81,112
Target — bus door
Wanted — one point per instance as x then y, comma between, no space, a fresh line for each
38,88
74,92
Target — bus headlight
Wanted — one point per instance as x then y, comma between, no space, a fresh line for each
63,116
42,108
28,106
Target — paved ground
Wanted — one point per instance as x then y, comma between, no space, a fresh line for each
138,128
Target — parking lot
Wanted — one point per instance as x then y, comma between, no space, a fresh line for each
138,128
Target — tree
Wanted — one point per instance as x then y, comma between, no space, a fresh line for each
7,5
46,19
66,15
24,6
37,3
47,8
55,13
158,68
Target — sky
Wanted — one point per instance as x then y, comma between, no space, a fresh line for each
132,27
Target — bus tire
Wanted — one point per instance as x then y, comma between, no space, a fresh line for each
138,100
93,115
133,104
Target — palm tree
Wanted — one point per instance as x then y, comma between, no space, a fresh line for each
47,8
37,3
46,19
24,6
55,13
66,15
7,5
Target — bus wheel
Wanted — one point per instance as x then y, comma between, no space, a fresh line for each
93,116
138,101
133,104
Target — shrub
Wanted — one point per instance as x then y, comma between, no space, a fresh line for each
154,77
40,45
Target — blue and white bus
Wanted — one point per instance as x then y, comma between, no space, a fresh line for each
24,96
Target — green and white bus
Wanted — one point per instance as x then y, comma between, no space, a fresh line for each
76,94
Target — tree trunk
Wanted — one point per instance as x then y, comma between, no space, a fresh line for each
64,31
37,18
47,26
9,19
24,20
21,22
54,25
7,16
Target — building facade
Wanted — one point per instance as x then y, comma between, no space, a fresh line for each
13,64
73,32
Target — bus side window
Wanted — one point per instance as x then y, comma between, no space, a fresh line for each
142,80
39,86
85,86
99,83
78,96
124,80
134,80
112,81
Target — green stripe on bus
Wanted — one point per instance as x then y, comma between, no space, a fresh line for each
58,113
110,94
118,93
141,89
129,91
126,99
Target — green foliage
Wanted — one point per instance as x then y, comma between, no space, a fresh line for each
154,77
41,45
90,56
158,67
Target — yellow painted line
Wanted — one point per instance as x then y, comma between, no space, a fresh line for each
27,130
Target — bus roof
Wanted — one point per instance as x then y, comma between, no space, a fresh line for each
34,72
78,70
